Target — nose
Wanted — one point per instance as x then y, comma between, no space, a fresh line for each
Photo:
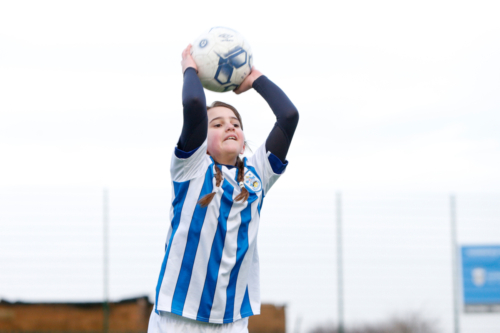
230,127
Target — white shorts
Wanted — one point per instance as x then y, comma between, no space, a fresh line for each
167,322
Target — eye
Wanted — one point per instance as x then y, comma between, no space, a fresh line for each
236,125
217,125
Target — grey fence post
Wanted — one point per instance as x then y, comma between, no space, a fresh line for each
105,215
340,280
454,249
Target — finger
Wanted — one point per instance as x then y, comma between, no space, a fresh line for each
239,89
186,51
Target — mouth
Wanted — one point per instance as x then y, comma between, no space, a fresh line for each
232,137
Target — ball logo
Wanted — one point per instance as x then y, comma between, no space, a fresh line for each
203,43
226,37
252,183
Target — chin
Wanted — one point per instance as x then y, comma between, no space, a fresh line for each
234,152
233,149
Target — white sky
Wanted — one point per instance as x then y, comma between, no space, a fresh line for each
392,95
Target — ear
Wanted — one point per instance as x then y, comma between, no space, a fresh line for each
243,149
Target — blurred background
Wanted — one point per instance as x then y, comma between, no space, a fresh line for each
399,106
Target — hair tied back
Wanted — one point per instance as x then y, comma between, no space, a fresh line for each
205,201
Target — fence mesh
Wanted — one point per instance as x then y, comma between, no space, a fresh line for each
397,250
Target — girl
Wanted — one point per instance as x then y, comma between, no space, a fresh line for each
209,278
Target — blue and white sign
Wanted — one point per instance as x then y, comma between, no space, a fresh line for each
481,278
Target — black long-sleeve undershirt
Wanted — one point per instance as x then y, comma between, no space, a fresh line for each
287,117
195,126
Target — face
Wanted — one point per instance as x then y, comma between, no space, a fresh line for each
225,137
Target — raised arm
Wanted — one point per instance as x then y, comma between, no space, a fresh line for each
194,128
287,117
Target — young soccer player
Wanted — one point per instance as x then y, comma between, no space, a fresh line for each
209,278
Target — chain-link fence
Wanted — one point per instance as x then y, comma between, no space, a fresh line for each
396,251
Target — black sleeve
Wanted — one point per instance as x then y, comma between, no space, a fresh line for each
194,128
287,117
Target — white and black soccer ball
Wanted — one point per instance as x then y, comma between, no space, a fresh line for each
224,58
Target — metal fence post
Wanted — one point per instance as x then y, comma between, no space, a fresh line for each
340,281
454,248
105,326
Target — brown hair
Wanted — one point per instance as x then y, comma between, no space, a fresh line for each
243,196
225,105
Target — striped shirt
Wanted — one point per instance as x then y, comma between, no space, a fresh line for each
210,271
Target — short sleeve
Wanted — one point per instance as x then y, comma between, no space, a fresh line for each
187,166
268,167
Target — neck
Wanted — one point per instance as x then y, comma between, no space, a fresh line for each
227,162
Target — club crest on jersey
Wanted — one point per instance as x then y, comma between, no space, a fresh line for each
252,182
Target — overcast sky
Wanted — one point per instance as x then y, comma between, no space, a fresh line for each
392,95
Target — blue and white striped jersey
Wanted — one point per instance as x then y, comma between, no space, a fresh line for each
210,271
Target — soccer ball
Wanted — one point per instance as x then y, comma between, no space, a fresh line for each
223,57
